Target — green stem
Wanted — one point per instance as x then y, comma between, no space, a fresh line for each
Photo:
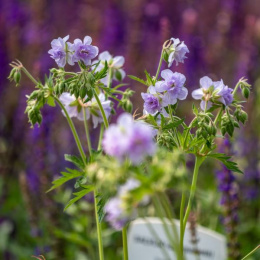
206,105
125,247
73,129
87,132
160,65
236,88
100,136
252,252
101,109
109,81
218,116
172,119
29,75
100,241
186,137
181,222
198,162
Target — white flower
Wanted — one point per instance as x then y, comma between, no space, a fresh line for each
75,107
115,63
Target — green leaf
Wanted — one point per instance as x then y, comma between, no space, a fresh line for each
79,195
137,79
100,207
101,74
120,85
195,110
51,101
66,176
225,160
149,79
174,124
77,161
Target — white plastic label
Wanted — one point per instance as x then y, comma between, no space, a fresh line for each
150,242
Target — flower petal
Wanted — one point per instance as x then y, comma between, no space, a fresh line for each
118,61
166,74
87,40
182,94
206,82
105,55
197,94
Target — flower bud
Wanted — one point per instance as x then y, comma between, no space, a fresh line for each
243,116
245,92
127,105
11,75
17,77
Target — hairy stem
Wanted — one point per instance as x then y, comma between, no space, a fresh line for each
252,252
101,109
29,75
125,247
160,65
181,222
73,130
198,162
99,231
87,132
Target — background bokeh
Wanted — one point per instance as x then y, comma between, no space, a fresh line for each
223,37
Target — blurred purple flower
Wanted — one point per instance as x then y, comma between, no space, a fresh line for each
61,51
117,213
84,50
178,51
130,139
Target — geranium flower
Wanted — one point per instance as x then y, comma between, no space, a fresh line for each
75,107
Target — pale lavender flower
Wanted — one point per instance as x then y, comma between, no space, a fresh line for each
204,93
75,107
129,139
172,87
178,51
151,103
115,63
117,212
210,91
224,93
84,51
61,51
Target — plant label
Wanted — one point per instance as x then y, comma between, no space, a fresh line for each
150,239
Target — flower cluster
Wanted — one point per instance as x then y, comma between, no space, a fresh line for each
212,92
177,52
129,139
117,210
114,63
165,92
75,107
63,51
